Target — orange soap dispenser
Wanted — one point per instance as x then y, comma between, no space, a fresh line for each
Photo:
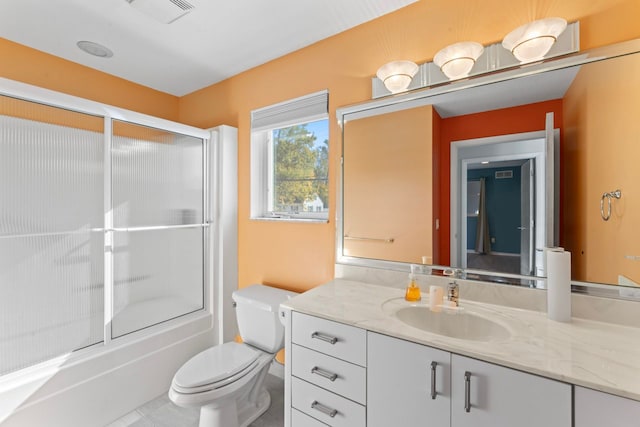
413,290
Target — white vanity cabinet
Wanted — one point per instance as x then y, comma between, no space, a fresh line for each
328,373
487,395
410,384
407,383
342,375
597,409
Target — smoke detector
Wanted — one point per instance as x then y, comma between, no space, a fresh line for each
165,11
95,49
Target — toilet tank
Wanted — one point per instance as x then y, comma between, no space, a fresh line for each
257,314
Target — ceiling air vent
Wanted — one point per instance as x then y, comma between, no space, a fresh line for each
165,11
506,174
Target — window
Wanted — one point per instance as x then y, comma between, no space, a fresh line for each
290,158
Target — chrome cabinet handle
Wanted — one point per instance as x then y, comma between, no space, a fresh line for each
323,337
324,409
326,374
433,380
467,391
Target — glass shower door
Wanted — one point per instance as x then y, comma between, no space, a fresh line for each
51,232
158,238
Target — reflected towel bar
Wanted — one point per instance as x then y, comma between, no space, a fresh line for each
370,239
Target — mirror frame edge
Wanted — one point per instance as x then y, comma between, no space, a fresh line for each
418,97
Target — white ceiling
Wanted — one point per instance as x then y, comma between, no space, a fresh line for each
216,40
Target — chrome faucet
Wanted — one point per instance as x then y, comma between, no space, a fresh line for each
452,293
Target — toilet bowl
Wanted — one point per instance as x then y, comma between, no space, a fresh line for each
227,381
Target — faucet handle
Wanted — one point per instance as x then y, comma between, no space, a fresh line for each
453,292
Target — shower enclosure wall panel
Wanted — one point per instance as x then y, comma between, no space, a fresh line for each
130,324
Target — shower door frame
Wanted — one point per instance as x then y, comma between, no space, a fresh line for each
109,113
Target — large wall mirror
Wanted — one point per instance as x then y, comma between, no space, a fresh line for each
483,174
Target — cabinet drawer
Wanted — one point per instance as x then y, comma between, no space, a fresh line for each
338,376
298,419
332,338
322,404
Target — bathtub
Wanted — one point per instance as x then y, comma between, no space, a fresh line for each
97,385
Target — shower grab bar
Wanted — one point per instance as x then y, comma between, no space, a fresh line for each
610,195
52,233
100,230
370,239
158,227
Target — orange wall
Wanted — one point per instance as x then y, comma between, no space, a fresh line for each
527,118
301,256
602,152
388,186
23,64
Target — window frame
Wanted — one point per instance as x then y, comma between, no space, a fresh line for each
262,154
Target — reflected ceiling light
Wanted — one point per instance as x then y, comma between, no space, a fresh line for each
457,60
532,41
397,75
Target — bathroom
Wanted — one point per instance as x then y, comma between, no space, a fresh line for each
293,255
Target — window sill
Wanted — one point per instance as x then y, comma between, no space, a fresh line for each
285,218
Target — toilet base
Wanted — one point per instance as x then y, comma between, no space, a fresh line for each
228,414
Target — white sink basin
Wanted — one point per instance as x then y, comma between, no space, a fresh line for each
461,325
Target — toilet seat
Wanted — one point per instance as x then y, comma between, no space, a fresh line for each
215,367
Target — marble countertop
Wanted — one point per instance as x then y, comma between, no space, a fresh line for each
587,353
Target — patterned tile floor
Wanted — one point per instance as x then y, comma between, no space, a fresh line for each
161,412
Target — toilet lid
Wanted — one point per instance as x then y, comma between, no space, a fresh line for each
215,364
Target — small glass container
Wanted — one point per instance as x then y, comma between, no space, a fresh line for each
413,290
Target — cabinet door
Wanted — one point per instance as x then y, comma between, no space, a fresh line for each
597,409
399,383
486,395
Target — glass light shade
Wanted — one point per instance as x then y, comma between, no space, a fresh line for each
397,75
457,60
532,41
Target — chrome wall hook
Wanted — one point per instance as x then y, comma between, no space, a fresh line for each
610,195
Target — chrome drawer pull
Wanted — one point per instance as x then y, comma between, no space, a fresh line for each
323,337
328,375
324,409
467,391
433,380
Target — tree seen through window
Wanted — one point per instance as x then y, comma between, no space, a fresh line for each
301,164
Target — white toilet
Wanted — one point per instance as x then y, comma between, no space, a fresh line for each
226,381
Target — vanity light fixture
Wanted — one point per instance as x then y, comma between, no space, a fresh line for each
532,41
457,60
397,75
